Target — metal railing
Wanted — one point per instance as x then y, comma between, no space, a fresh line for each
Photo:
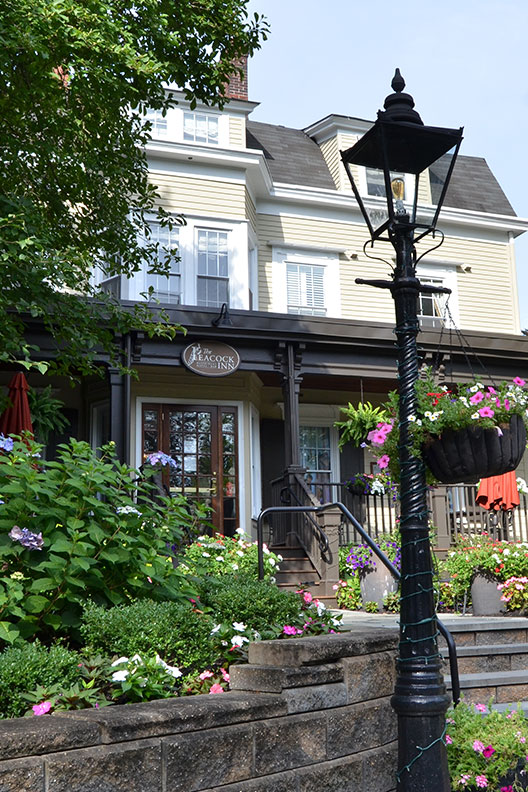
284,510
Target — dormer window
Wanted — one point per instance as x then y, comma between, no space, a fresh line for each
200,128
376,182
158,122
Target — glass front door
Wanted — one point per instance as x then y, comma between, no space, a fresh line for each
202,441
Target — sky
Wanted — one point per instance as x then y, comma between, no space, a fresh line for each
463,61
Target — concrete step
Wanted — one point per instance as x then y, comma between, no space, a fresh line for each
502,686
485,658
485,631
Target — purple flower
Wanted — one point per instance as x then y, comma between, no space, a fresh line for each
6,443
160,458
26,538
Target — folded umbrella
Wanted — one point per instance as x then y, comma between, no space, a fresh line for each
16,419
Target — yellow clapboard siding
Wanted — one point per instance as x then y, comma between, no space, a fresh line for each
201,196
251,211
330,152
486,297
237,132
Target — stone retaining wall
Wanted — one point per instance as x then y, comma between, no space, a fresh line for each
305,715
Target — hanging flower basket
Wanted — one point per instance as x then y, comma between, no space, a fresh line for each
472,453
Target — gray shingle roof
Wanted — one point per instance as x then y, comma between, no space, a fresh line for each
294,158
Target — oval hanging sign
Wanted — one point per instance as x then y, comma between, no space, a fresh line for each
211,358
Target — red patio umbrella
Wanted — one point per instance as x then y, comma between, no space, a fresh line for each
16,418
499,492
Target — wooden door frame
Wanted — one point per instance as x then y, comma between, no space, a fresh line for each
242,458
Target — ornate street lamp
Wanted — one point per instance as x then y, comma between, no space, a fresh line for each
396,149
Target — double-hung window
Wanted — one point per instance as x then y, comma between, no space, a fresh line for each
431,307
165,288
305,289
200,128
159,125
213,268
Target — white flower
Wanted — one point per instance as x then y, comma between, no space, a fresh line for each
464,401
428,414
119,676
412,418
280,558
272,562
127,510
206,555
120,660
240,553
172,670
234,566
495,557
506,552
239,640
475,416
215,629
321,607
240,626
240,531
474,388
219,558
418,422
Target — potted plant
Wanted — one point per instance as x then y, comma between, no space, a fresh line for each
376,582
372,484
464,433
479,564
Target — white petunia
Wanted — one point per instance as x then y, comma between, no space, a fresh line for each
240,626
272,561
475,416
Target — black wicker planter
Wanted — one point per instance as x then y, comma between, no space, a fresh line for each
356,489
466,455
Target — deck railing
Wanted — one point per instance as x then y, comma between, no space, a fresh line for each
454,512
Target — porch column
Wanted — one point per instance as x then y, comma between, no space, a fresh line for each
289,359
118,419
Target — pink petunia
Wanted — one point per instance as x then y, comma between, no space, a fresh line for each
506,404
488,751
481,781
477,397
383,461
216,688
518,381
478,746
506,788
448,739
486,412
491,391
41,709
377,437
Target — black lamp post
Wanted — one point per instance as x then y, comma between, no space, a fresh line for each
399,146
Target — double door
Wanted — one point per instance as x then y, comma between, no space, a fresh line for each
202,441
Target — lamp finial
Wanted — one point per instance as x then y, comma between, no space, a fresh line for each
398,83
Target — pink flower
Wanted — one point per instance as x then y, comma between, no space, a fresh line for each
507,789
377,437
477,397
497,402
307,597
206,675
383,461
486,412
506,404
288,630
41,709
481,781
464,778
216,688
518,381
225,675
488,751
491,391
480,707
449,740
478,746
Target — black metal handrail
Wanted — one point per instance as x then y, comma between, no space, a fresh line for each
451,646
322,538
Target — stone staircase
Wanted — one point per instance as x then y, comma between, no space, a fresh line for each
492,659
297,571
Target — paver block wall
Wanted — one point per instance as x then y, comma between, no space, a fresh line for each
304,715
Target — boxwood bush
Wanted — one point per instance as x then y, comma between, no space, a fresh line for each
24,667
178,634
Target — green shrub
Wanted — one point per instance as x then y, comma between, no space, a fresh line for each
80,527
223,555
178,634
256,603
24,667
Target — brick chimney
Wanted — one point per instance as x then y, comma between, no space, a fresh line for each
237,87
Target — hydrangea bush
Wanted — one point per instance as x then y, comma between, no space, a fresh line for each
81,527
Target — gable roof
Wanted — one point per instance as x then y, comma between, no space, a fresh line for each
293,157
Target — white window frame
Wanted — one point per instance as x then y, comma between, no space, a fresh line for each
157,294
254,451
331,285
174,126
187,250
160,123
446,272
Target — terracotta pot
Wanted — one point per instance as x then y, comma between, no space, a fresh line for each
376,584
485,596
466,455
